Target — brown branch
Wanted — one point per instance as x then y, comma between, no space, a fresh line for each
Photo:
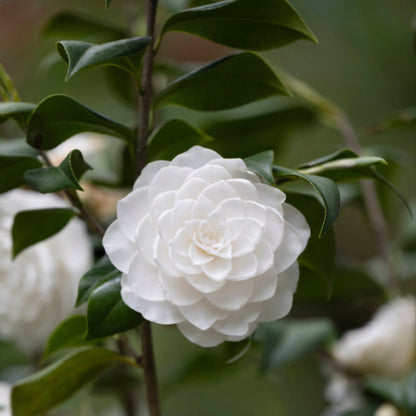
372,204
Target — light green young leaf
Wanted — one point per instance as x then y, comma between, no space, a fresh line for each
218,86
243,24
49,387
59,117
125,54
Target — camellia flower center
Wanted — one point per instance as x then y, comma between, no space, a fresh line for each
209,239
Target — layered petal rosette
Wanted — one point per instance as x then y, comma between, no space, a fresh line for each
204,244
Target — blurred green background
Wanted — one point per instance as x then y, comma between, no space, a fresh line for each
364,63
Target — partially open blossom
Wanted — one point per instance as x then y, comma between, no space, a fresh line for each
5,391
386,346
38,288
205,245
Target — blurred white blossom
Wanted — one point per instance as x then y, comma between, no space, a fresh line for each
5,391
38,288
386,346
387,409
205,245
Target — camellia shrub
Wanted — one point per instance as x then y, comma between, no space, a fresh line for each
193,221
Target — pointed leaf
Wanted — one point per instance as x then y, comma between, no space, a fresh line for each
107,313
59,117
107,3
218,86
326,189
12,169
49,387
31,227
125,54
174,137
16,110
243,24
64,176
101,272
262,165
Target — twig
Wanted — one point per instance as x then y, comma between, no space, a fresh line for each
372,204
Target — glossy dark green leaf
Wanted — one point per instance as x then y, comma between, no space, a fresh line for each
243,136
59,117
125,54
69,334
243,24
262,165
226,83
174,137
326,189
16,147
72,25
64,176
54,384
287,341
12,169
31,227
17,111
101,272
107,313
107,3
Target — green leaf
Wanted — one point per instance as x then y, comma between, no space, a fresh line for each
31,227
400,120
326,189
218,86
59,117
12,169
101,272
17,111
107,313
288,341
79,26
125,54
174,137
16,147
69,334
65,176
243,24
262,165
107,3
8,91
47,388
246,135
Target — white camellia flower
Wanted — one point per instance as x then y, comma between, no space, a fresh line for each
5,391
38,288
203,244
386,346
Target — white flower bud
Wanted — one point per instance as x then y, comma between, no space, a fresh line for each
387,409
5,392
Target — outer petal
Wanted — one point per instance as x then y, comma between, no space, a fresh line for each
204,285
232,296
264,286
280,304
298,221
195,157
118,247
180,292
208,338
149,172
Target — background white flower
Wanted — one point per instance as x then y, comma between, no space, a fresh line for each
386,346
5,391
38,289
205,245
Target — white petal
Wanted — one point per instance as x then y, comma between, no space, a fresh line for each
237,323
166,225
210,174
253,230
244,267
179,291
202,314
242,245
146,234
255,211
149,172
234,227
264,286
265,257
244,188
230,208
217,269
235,165
163,258
163,202
183,212
274,229
219,191
119,249
208,338
232,296
181,242
203,284
280,304
202,208
191,189
183,263
270,196
198,256
143,280
160,312
195,157
168,179
298,221
131,210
